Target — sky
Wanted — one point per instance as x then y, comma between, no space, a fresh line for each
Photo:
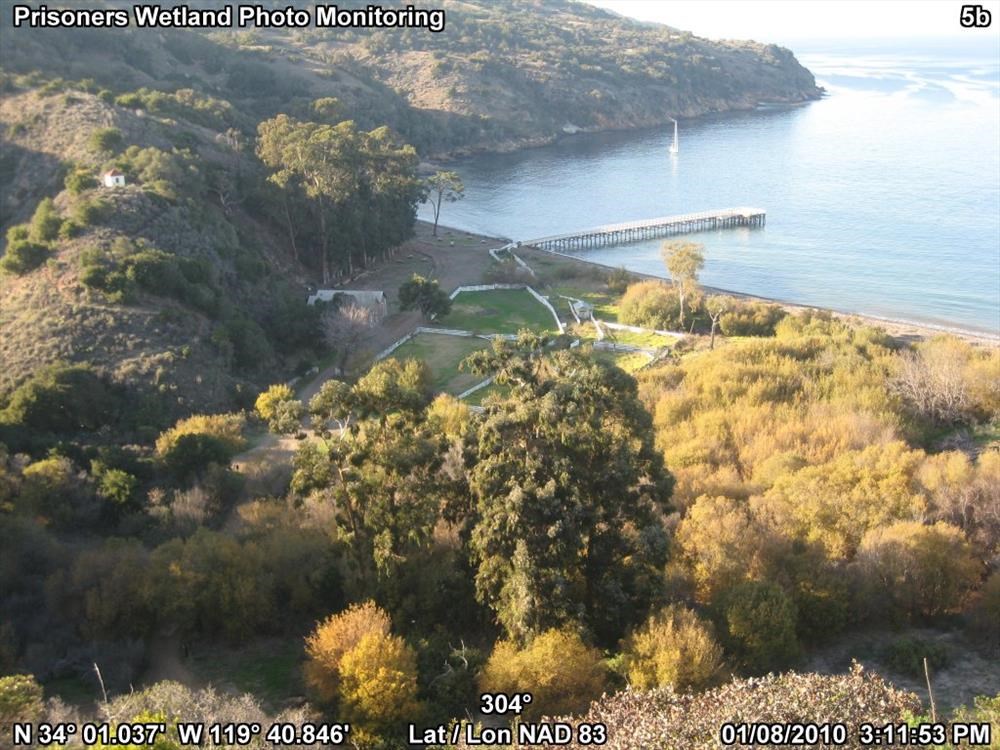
788,21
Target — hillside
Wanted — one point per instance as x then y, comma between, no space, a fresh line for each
502,75
227,252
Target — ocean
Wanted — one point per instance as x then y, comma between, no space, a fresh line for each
882,198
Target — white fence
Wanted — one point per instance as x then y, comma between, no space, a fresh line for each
639,329
483,288
476,387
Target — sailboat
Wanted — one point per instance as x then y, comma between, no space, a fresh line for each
673,146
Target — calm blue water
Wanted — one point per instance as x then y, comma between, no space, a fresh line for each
883,198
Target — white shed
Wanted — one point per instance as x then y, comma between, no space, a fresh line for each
113,178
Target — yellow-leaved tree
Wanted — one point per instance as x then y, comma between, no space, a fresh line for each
333,638
675,648
378,682
562,673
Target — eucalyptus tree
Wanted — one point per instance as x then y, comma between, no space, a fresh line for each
684,260
443,186
566,487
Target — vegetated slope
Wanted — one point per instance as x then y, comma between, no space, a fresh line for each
527,71
183,283
503,74
154,284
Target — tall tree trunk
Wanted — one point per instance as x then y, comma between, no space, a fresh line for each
325,260
437,212
291,228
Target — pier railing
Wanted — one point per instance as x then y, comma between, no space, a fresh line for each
636,231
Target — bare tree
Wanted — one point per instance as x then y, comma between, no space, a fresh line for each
716,307
934,382
346,327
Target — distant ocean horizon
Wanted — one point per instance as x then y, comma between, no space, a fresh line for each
882,198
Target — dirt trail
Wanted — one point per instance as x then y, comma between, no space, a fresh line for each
166,661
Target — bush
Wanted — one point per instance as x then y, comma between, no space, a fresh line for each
106,140
759,625
907,655
62,399
665,719
20,699
79,180
618,280
751,319
192,455
89,212
333,638
673,649
985,615
227,428
913,569
22,257
562,673
379,682
280,409
45,222
650,304
69,229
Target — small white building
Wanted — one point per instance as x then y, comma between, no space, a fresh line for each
583,310
113,178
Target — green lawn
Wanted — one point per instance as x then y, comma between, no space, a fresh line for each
605,303
443,355
647,340
498,311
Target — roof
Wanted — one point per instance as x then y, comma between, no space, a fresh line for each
114,173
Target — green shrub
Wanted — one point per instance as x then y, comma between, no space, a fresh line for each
89,212
69,229
80,179
759,625
45,222
751,319
106,140
20,699
17,233
62,399
191,454
907,655
618,280
22,257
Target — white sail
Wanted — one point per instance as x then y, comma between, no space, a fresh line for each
674,145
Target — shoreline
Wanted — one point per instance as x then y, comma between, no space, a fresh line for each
896,327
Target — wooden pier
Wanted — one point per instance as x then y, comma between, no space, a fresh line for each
637,231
